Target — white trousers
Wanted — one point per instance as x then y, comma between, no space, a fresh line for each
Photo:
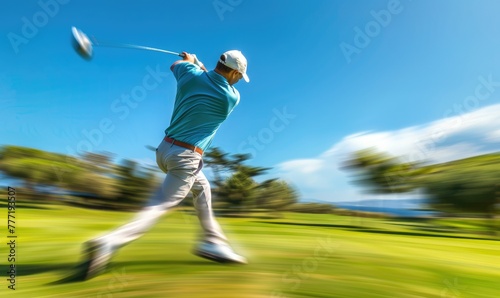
183,168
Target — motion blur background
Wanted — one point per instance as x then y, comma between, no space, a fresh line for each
357,111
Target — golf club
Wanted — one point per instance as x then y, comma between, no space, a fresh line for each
84,46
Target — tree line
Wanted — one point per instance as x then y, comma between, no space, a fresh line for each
95,180
467,186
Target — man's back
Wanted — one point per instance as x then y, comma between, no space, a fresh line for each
203,102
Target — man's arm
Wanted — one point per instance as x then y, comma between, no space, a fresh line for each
186,57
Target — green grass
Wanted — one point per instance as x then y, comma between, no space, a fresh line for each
299,255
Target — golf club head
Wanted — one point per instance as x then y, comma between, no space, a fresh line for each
81,44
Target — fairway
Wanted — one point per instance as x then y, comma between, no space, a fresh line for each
297,255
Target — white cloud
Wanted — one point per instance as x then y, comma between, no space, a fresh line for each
305,166
493,137
461,136
307,171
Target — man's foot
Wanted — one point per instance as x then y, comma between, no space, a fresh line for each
97,255
219,253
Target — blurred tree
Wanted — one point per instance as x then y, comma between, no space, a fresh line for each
94,175
468,189
134,183
101,163
467,185
34,166
99,181
101,188
9,152
381,173
30,170
275,195
219,163
238,190
233,180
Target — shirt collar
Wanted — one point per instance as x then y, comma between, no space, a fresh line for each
217,77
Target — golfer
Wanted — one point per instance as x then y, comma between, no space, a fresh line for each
204,100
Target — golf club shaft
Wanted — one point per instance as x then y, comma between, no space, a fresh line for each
131,46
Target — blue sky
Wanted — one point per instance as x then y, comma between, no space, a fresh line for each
327,78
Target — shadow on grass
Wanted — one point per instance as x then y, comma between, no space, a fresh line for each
247,216
75,273
26,206
424,226
435,226
311,224
30,269
117,269
377,231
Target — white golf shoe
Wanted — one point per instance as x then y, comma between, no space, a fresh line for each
97,255
219,253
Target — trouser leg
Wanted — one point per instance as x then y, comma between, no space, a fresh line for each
171,192
202,200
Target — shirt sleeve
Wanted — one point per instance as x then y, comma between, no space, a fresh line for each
184,71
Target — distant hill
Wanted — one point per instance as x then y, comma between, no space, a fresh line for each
396,203
415,205
491,158
403,207
401,203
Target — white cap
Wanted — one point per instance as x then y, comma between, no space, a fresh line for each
234,59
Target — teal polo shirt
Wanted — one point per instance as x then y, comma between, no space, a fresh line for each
203,101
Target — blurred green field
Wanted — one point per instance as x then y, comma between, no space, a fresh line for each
298,255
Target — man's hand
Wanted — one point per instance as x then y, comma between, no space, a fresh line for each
193,59
187,57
